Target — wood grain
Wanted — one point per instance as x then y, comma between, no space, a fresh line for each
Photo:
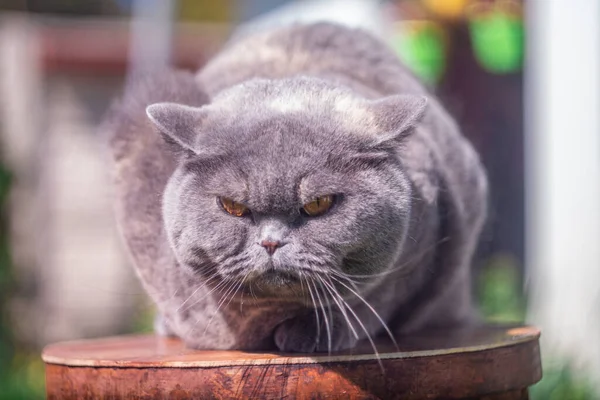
484,363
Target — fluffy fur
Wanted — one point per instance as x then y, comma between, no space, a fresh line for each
274,121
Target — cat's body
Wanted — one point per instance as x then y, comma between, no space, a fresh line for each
323,119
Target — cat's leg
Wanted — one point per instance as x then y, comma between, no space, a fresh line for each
358,317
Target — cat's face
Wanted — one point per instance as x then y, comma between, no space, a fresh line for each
277,194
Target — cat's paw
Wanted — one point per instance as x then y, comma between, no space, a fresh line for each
300,335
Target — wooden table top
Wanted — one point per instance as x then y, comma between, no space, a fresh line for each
469,362
139,351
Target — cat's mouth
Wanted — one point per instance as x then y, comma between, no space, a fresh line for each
276,278
275,282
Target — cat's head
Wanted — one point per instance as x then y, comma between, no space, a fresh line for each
282,183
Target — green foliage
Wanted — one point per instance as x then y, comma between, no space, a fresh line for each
498,42
143,321
21,373
561,383
501,300
422,49
6,280
500,295
25,380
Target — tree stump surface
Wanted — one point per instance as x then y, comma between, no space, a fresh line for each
490,362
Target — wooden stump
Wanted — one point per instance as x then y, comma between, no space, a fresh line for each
483,363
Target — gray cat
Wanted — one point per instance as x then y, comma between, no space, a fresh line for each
302,192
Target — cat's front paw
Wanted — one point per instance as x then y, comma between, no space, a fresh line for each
301,335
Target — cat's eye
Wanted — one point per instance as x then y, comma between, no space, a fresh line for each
232,207
318,206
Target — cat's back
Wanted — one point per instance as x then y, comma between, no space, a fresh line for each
332,51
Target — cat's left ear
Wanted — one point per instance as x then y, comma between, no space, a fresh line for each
178,123
396,115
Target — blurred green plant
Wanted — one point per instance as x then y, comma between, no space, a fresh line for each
25,378
501,300
561,383
143,320
422,47
21,370
499,291
497,36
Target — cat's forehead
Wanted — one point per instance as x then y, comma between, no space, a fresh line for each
281,152
284,143
307,96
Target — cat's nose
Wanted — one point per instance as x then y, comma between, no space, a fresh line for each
271,245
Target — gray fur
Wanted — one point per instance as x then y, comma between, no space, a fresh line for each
274,121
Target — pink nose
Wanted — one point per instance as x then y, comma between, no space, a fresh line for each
270,246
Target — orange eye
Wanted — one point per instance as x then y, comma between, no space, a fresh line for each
233,208
318,206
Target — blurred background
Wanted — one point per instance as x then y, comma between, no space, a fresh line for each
521,77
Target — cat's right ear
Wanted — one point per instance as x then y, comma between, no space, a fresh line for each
397,115
178,123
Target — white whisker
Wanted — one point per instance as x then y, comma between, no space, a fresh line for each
387,329
337,298
242,297
196,291
368,336
324,317
218,286
222,300
312,296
